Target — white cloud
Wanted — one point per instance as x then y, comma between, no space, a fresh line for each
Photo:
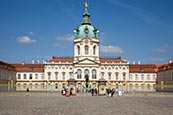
157,59
31,33
59,45
111,49
160,50
67,37
25,39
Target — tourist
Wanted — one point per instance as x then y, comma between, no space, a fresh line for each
71,91
112,92
63,91
95,91
27,90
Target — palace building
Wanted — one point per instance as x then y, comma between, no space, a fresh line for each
165,77
7,77
86,69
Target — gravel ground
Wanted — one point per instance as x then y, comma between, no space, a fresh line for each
52,104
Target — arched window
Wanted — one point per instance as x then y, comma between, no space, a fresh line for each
94,74
79,74
56,75
86,75
49,75
94,50
116,75
78,50
56,85
136,86
86,71
109,76
124,76
86,50
63,75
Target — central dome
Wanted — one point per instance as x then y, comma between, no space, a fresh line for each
86,30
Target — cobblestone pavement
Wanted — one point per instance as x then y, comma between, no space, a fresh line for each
52,104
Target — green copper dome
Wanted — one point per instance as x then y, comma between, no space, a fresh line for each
86,30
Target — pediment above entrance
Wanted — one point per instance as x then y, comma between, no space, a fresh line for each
86,61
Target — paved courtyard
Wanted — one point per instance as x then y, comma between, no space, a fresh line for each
52,104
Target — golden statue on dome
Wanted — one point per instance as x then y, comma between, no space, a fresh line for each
86,4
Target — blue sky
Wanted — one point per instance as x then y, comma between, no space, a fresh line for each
136,30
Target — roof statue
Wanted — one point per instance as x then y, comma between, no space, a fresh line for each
86,4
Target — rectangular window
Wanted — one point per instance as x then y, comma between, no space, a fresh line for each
42,76
19,76
130,77
136,77
36,76
142,78
154,77
30,76
24,76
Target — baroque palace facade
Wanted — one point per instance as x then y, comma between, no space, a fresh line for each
86,69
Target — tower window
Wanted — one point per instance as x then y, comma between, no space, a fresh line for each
78,50
94,50
86,50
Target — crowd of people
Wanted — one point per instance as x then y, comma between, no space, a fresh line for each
94,92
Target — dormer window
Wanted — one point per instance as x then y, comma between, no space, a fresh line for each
141,69
86,30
